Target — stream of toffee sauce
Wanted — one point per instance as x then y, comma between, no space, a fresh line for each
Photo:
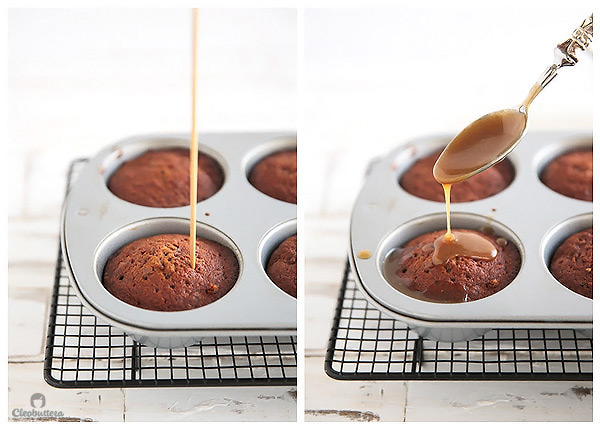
473,148
482,142
460,243
194,144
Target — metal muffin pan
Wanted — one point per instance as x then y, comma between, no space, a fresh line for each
535,218
96,223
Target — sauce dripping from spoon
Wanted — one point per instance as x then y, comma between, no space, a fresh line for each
460,243
480,145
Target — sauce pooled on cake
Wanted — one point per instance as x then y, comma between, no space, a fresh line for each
411,270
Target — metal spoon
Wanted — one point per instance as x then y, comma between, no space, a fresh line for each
490,138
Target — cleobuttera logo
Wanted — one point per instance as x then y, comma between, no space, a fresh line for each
38,400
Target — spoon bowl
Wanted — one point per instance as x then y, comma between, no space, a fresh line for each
480,145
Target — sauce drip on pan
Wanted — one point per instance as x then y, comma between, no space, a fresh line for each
364,254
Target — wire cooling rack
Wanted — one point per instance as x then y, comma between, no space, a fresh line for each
367,345
83,352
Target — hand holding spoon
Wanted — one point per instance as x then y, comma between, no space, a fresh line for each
490,138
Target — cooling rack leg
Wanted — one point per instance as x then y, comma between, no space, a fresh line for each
136,363
417,357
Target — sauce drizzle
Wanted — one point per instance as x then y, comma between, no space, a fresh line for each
462,243
470,152
194,144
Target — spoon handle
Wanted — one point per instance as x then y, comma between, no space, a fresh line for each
565,54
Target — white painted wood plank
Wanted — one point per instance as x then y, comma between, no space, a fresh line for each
327,237
499,401
212,404
31,274
317,325
28,315
25,379
15,194
46,179
325,262
331,400
33,241
31,267
324,277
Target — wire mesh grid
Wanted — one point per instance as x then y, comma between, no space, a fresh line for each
367,345
84,352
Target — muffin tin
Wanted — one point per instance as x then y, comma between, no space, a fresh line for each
96,223
534,217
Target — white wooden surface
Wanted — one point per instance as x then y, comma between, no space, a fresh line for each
82,79
375,78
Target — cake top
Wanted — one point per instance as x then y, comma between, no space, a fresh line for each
282,266
161,178
275,176
571,174
418,180
572,263
155,273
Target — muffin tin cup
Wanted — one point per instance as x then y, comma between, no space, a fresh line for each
96,223
271,241
526,213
